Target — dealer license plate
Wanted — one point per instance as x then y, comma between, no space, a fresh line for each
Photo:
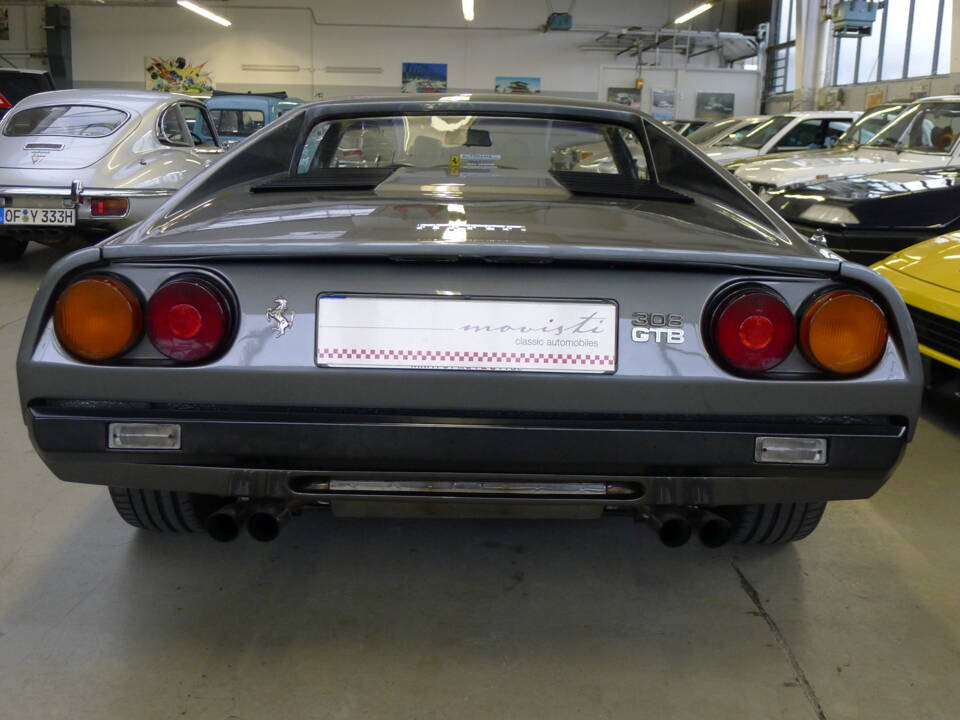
38,216
466,334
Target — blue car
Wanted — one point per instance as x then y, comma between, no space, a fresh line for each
239,115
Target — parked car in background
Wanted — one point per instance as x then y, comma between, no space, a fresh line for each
685,127
867,217
923,135
863,129
806,130
460,326
714,132
928,277
238,115
18,83
91,162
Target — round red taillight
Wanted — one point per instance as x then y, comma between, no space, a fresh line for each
188,319
754,330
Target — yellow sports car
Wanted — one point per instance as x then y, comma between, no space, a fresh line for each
928,276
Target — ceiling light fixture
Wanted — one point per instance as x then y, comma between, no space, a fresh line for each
193,7
468,10
699,10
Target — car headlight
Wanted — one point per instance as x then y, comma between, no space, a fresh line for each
829,214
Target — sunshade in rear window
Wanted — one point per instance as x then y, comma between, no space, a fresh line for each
65,121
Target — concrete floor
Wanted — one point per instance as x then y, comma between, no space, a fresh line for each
438,619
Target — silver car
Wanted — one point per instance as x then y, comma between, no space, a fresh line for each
457,320
92,162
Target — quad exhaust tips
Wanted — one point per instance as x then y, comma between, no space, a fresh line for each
262,520
675,526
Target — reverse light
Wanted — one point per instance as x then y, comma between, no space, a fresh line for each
754,330
188,319
98,318
109,207
843,332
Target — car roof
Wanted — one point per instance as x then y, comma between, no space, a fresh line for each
822,113
428,99
937,98
137,100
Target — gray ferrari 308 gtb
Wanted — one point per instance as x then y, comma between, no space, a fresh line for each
471,306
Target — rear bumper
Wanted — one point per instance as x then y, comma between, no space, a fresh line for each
282,453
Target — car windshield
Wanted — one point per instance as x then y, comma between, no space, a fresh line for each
712,131
65,120
926,127
758,135
231,121
869,124
469,143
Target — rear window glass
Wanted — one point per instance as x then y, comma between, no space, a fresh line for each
66,120
237,122
477,143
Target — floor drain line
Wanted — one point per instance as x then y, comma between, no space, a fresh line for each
799,675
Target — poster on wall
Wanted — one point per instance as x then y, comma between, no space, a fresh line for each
424,78
664,104
178,75
873,99
4,24
516,85
625,96
714,106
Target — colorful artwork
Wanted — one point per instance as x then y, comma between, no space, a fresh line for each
714,106
625,96
424,78
664,104
175,74
516,85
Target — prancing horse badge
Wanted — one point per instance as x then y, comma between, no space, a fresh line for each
281,316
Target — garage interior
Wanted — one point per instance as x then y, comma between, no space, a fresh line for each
445,618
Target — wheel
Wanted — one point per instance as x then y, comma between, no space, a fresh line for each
11,249
163,510
774,523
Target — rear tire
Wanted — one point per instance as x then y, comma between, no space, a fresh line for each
163,510
11,249
774,523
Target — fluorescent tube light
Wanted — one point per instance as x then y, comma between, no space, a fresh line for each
468,10
699,10
270,68
193,7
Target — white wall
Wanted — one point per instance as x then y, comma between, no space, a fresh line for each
110,43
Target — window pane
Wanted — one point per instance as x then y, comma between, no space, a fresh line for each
870,52
921,44
790,80
946,30
846,60
785,22
895,42
66,120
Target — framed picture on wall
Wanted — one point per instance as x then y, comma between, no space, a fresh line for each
516,85
176,74
625,96
714,106
873,99
663,106
424,78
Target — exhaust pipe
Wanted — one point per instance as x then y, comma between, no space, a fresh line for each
224,525
672,527
265,522
713,530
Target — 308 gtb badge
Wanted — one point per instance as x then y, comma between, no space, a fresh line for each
658,327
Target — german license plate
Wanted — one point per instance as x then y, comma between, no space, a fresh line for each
466,334
38,216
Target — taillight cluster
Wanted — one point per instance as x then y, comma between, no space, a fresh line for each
101,317
842,332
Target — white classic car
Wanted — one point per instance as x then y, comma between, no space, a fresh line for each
784,133
712,133
91,162
922,136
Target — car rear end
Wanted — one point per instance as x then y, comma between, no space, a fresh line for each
555,351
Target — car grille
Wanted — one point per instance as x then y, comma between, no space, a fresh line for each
937,332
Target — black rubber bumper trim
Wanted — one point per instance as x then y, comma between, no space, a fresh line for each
377,443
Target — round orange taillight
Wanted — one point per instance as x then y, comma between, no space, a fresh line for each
98,317
843,332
